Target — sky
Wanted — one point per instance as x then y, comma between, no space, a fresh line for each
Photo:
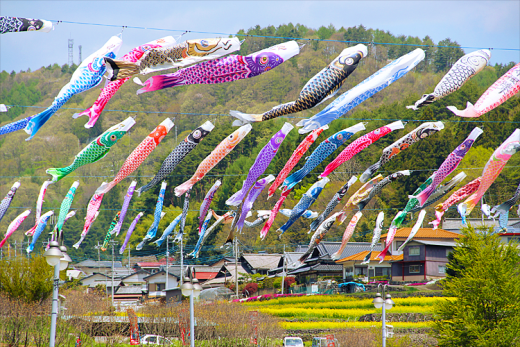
476,24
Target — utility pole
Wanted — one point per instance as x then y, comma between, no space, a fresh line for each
15,248
98,247
182,259
167,260
113,243
236,266
129,264
283,268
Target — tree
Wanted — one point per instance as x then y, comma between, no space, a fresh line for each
27,279
483,278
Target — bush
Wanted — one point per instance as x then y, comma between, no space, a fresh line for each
250,289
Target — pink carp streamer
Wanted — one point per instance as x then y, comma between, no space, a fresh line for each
349,231
456,197
449,165
112,87
500,91
92,213
14,225
295,157
274,212
39,204
491,171
139,154
360,144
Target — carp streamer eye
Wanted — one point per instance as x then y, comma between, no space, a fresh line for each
113,137
196,134
264,60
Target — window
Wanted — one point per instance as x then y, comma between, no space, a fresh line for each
442,269
415,269
414,251
448,251
398,244
161,286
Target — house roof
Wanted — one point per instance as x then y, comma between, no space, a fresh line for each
129,290
425,233
436,243
94,264
161,273
455,224
318,268
262,261
361,256
326,249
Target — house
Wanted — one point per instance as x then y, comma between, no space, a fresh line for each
225,274
320,263
152,266
222,261
156,283
136,279
202,272
422,260
128,294
99,279
259,263
510,236
424,234
352,266
89,266
291,263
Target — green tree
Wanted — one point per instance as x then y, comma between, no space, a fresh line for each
29,280
483,278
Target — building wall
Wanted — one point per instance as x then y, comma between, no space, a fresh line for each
432,268
397,271
408,257
408,278
438,253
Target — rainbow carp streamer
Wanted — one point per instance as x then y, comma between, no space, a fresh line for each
499,92
138,155
414,136
325,84
96,150
493,168
112,87
226,69
361,92
262,161
88,75
222,149
466,67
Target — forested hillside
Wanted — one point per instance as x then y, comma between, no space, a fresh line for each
62,138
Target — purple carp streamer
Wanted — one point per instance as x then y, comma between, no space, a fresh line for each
178,154
375,236
414,231
88,75
20,24
493,168
226,69
465,68
14,225
364,90
419,133
157,216
130,231
441,191
449,165
502,211
336,199
40,226
169,229
322,86
92,213
4,205
39,204
204,207
124,208
262,161
180,55
318,236
321,153
500,91
251,198
378,188
349,231
112,87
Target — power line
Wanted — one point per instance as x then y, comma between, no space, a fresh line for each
280,37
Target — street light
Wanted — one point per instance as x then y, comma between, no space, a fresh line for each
57,257
385,304
191,288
